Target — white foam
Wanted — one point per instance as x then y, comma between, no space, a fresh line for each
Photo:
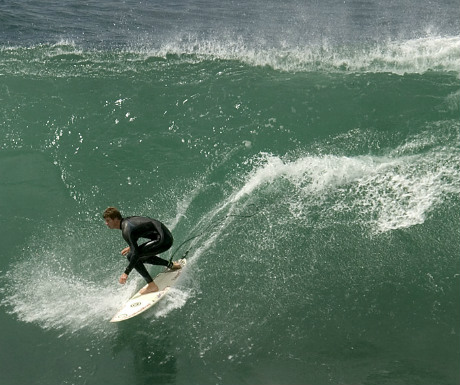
175,299
428,53
69,304
398,56
59,284
384,193
62,302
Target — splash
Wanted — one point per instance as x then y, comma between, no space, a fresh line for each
382,192
408,56
66,59
175,299
56,285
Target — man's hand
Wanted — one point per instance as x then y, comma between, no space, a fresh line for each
123,278
125,251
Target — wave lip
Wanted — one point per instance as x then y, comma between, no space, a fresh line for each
420,55
65,58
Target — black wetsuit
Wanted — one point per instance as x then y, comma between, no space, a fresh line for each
160,240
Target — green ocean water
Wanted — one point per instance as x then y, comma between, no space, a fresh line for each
320,186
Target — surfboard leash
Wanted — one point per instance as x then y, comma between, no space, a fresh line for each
213,223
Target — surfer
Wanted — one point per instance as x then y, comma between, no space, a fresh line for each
133,228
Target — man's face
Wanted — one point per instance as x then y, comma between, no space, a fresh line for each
112,223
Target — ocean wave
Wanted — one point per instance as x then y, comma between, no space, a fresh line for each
65,58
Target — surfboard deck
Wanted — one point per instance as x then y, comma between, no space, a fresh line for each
138,303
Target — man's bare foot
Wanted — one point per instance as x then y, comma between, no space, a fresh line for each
150,288
176,266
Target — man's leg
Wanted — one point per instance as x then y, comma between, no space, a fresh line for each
140,268
151,285
150,250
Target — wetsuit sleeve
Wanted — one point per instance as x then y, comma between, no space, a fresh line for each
133,257
159,230
134,254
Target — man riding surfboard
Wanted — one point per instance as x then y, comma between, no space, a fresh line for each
133,228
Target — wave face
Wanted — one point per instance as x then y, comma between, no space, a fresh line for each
305,155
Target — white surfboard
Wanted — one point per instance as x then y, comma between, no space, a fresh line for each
138,303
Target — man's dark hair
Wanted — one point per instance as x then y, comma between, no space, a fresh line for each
112,213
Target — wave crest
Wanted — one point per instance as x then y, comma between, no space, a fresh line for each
434,53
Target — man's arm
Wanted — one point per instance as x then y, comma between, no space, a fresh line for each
132,251
133,255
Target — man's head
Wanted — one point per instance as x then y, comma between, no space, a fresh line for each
112,217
